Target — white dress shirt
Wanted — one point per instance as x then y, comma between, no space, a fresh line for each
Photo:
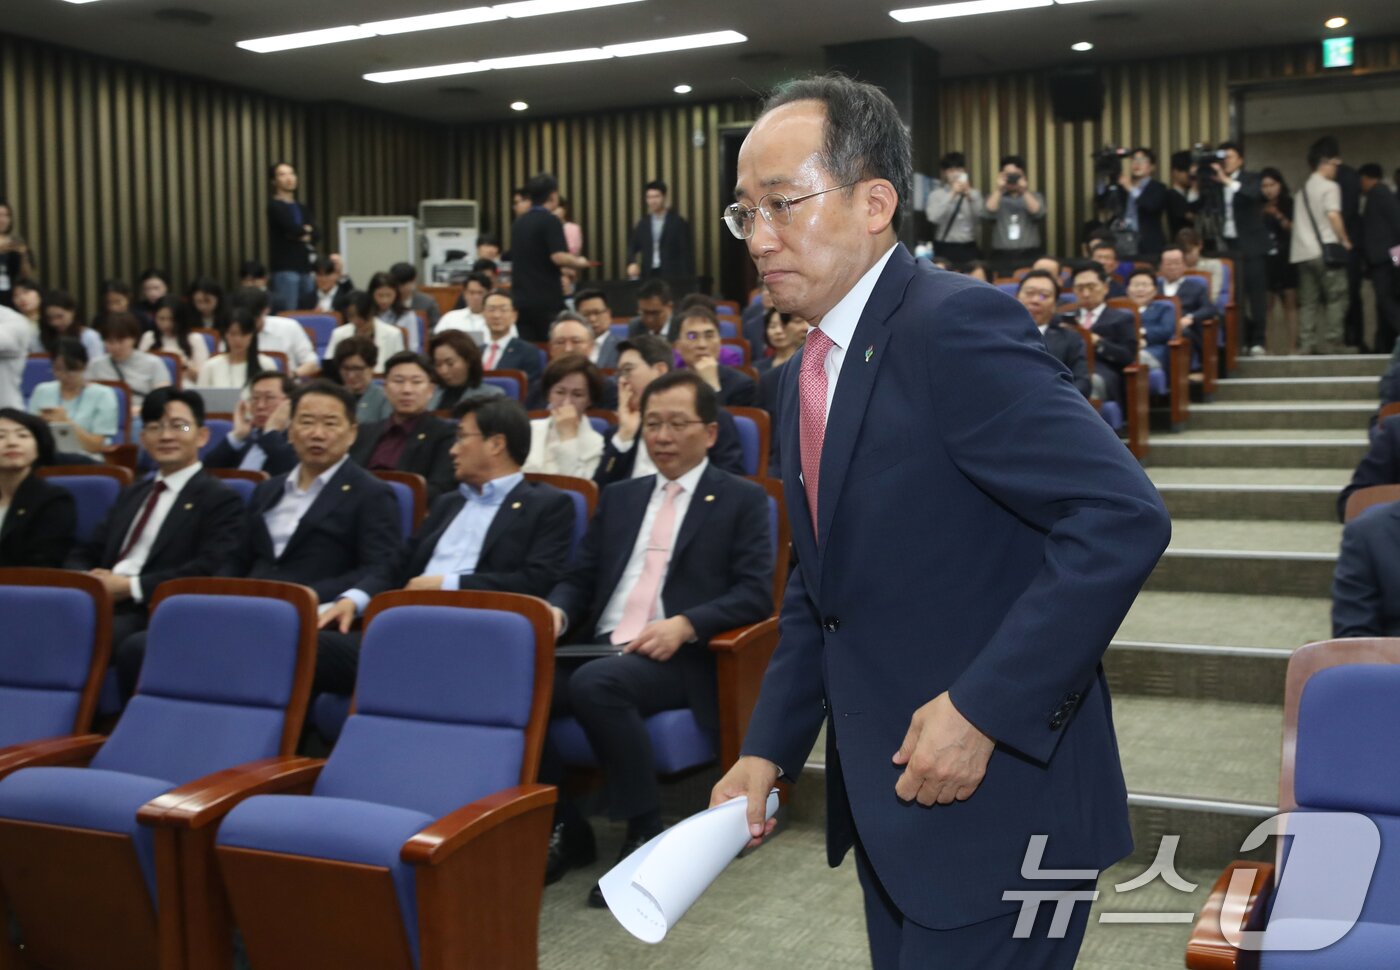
135,560
287,337
643,464
1087,318
284,517
1228,230
472,324
612,613
840,321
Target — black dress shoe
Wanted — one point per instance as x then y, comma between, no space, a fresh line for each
569,846
629,845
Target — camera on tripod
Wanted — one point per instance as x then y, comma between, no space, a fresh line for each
1204,157
1108,161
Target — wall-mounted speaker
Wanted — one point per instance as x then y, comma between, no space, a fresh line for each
1076,95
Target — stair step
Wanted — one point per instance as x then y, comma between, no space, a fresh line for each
1297,389
1267,536
1294,502
1229,619
1252,675
1340,365
1244,571
1255,451
1332,478
1281,416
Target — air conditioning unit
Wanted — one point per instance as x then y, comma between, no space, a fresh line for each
448,232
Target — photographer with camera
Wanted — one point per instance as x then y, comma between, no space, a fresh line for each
1242,231
1132,200
1017,211
954,207
1181,205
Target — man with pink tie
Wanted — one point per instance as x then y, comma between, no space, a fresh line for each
669,561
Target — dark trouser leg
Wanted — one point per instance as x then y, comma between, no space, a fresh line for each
337,660
1383,279
1256,299
611,697
956,253
897,943
128,647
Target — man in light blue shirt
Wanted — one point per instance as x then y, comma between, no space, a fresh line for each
497,531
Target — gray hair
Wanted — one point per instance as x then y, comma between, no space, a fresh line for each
865,138
569,316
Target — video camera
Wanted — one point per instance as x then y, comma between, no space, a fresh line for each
1203,156
1108,161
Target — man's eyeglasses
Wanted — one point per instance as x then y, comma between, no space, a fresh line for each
776,211
675,425
695,336
174,427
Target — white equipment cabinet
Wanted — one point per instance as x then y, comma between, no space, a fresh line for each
370,244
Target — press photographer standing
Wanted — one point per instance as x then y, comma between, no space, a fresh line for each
1243,231
1017,211
1136,201
954,208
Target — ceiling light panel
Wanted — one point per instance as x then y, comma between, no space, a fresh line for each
308,38
436,21
543,60
419,73
669,44
538,8
965,8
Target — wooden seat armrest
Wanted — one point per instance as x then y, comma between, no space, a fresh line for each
208,799
436,843
1207,949
744,637
73,750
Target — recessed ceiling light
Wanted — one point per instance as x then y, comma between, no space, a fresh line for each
1082,46
682,89
965,8
1335,23
518,106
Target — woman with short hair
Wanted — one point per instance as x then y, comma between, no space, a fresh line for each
565,443
37,519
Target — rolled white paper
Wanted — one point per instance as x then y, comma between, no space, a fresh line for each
650,890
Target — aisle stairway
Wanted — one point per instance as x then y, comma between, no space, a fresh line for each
1197,672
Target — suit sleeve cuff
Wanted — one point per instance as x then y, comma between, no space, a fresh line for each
622,447
234,441
357,596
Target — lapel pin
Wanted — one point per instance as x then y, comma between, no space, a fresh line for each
422,435
345,488
709,498
188,506
516,505
869,352
20,511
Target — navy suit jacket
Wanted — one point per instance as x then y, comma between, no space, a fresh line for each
525,550
1194,295
426,452
1366,586
720,575
736,389
199,537
39,525
1067,346
726,454
983,532
1379,466
677,252
349,531
281,457
520,355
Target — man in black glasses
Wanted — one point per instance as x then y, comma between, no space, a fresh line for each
969,535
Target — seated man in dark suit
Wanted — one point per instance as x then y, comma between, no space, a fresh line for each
332,287
412,439
180,522
1366,585
1379,466
503,350
258,441
593,306
497,531
654,308
1039,293
1113,331
1105,253
640,361
698,342
669,561
1193,294
327,523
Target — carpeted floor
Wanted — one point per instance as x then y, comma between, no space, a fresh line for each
781,908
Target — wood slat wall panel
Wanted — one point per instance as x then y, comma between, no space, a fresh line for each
602,162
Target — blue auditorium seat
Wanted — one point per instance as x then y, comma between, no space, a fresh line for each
94,492
445,728
227,671
38,368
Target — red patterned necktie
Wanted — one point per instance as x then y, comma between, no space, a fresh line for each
811,389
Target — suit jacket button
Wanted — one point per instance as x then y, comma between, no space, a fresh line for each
1056,722
831,624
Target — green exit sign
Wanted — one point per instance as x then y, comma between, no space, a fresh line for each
1338,52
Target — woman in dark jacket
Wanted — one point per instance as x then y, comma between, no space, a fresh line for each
37,519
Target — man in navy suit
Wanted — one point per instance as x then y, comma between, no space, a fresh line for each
660,244
503,350
592,305
1366,586
180,522
1113,331
497,531
327,523
1039,293
669,561
969,536
642,360
258,441
412,439
1193,293
698,342
1379,466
